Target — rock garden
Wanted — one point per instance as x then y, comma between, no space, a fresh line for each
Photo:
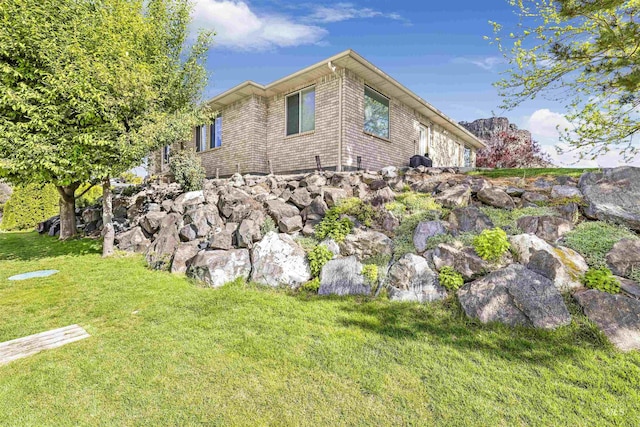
510,250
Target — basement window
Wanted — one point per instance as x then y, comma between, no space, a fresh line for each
301,111
376,113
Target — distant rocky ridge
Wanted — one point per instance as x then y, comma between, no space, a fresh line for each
486,129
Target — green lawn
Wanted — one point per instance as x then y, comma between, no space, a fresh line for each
531,172
165,352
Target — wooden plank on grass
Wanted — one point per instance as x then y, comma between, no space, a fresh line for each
27,346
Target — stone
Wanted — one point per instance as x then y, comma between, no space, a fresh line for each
248,232
411,279
187,233
291,224
378,184
624,257
565,191
190,198
549,228
454,197
534,198
132,240
478,184
222,237
515,296
278,210
426,230
469,219
184,253
617,316
91,215
389,172
562,265
332,246
313,180
343,276
315,210
389,221
236,204
496,197
301,198
159,255
332,195
366,243
381,197
237,180
514,191
150,223
465,262
197,217
216,268
279,261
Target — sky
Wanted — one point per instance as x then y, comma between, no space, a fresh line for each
436,49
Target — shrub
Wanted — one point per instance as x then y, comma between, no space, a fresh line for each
602,280
131,178
91,197
491,244
370,273
450,279
318,257
312,285
267,226
28,205
355,207
187,170
593,239
334,226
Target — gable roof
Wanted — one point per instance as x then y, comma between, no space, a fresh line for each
350,60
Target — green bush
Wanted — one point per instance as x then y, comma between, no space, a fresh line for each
318,257
450,279
363,212
593,239
491,244
602,280
311,286
187,170
333,226
131,178
29,205
370,273
91,197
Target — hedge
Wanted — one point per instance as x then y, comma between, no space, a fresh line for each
29,205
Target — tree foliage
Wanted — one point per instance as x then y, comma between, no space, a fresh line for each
585,54
508,150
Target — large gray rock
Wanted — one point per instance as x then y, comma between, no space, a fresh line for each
236,204
184,254
426,230
343,276
534,199
249,231
222,237
624,257
315,211
496,197
187,199
160,253
613,195
301,198
464,261
279,210
291,224
549,228
278,260
411,279
332,195
617,316
562,265
132,240
469,219
515,296
366,243
150,223
454,197
564,191
217,268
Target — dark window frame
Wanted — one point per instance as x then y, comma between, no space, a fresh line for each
299,116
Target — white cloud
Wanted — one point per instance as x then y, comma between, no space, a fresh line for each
239,27
345,11
543,123
488,63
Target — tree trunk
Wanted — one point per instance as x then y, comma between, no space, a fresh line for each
108,231
68,211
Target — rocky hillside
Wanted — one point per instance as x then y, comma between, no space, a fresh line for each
508,249
486,129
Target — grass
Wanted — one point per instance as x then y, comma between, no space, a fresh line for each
593,239
508,219
531,172
164,351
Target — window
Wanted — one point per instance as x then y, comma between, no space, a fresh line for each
376,113
166,151
215,133
301,111
467,157
201,138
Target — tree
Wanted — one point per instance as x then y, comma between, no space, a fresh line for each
585,54
507,150
90,87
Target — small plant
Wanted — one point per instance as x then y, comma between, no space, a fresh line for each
332,225
311,286
450,279
635,274
267,226
187,170
593,239
370,273
318,257
491,244
355,207
601,279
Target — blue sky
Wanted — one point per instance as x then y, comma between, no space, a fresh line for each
436,49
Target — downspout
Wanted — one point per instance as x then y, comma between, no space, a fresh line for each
340,79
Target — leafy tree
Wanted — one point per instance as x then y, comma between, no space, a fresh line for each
585,54
507,150
90,87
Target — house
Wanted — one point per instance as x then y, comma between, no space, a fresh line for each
342,113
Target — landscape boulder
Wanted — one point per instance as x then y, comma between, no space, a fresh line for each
469,219
464,261
150,223
222,237
343,276
411,279
613,195
496,197
278,260
133,240
301,198
159,255
565,192
366,243
547,227
291,224
617,316
279,210
216,268
456,196
333,195
515,296
624,257
426,230
184,253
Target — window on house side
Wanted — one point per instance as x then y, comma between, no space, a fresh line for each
467,157
376,113
301,111
215,133
166,151
198,133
